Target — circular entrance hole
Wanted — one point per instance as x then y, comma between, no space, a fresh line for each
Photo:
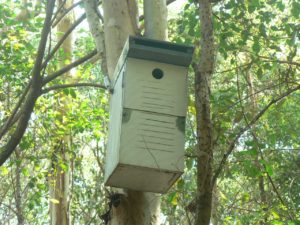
157,73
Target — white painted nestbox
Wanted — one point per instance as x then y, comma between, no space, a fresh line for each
147,116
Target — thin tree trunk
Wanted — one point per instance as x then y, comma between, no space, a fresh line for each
96,28
203,74
253,110
18,191
155,14
215,218
60,182
120,18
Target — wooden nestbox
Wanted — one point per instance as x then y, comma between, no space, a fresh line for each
147,116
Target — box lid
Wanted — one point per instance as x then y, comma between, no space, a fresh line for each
159,51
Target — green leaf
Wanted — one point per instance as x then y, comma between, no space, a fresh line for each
262,30
259,73
66,91
280,6
247,152
4,170
73,93
230,4
295,9
180,183
268,167
189,163
256,46
25,172
251,8
245,35
277,223
172,198
245,197
251,170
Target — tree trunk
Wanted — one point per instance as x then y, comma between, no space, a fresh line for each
60,182
120,21
155,14
18,191
96,28
203,74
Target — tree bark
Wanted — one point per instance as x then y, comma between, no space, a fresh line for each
203,74
60,181
18,191
119,22
96,28
155,14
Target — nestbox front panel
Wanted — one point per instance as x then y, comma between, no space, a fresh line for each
152,140
155,87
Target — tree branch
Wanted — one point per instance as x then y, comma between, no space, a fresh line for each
289,211
34,91
56,87
10,119
280,61
57,11
96,29
275,60
68,67
14,116
66,11
257,92
59,43
244,129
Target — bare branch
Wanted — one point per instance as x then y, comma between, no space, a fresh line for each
96,29
257,92
56,87
9,207
270,59
234,68
280,61
59,43
66,11
68,68
278,194
244,129
58,10
9,121
290,213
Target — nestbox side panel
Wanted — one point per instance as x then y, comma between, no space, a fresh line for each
115,121
155,87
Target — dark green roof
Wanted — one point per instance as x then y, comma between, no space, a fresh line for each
160,51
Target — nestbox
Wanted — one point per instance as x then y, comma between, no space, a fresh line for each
147,115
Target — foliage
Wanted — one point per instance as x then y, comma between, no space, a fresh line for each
257,61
